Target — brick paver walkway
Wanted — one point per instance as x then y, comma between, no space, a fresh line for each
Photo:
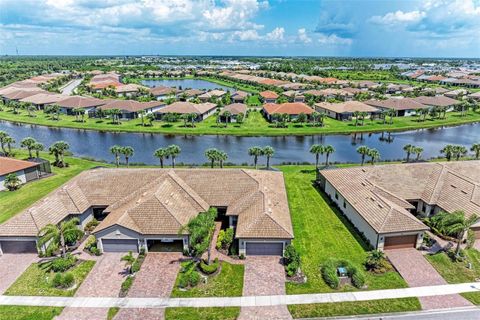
104,280
12,266
417,272
156,278
217,254
264,276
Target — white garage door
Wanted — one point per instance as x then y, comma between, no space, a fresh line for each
264,248
120,245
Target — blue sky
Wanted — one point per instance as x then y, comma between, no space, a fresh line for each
414,28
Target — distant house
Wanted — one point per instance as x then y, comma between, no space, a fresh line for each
344,110
235,109
202,110
25,170
365,85
455,94
239,96
191,93
210,94
294,96
70,103
130,109
403,107
396,88
269,96
128,90
162,93
292,109
475,96
438,101
40,100
16,94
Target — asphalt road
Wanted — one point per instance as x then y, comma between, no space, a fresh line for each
71,86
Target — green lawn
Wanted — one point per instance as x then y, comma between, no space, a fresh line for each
28,313
36,282
112,312
321,232
457,272
354,308
229,283
229,313
254,125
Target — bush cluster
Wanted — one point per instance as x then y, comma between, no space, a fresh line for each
91,245
63,280
376,262
225,239
189,277
330,276
209,268
63,264
127,284
91,225
292,260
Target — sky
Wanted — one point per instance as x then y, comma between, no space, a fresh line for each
349,28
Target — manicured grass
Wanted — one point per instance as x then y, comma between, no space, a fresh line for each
322,232
354,308
36,282
254,125
112,312
229,283
12,203
457,272
28,313
229,313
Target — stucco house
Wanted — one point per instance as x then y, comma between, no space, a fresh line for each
384,201
25,170
143,208
403,107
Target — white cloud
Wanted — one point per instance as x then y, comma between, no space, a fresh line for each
398,17
303,37
276,34
333,39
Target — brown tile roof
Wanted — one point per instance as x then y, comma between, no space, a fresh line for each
131,87
291,108
212,93
19,94
448,185
235,108
193,92
44,98
184,107
268,95
346,107
10,165
397,104
80,102
129,105
160,201
161,91
439,101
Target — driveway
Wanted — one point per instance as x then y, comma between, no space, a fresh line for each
417,271
156,278
264,276
12,266
104,280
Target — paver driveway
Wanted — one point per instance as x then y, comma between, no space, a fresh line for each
417,271
104,280
12,266
264,276
156,278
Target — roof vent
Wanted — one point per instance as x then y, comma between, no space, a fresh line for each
464,192
372,198
455,187
364,170
364,184
380,205
166,201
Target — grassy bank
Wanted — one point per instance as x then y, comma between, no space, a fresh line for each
28,313
254,125
228,313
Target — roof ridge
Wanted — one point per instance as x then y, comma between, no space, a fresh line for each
191,192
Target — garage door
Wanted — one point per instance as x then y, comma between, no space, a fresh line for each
19,246
400,242
477,232
120,245
264,248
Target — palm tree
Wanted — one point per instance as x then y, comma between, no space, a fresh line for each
356,114
457,224
116,150
317,150
211,154
12,182
391,113
448,151
58,149
315,116
173,152
3,136
53,236
222,157
255,152
459,151
328,151
161,154
28,143
127,152
227,114
30,109
363,151
9,141
476,149
374,155
129,259
418,151
55,111
268,152
409,149
115,114
142,115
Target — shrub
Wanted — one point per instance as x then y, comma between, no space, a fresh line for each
228,239
63,264
95,251
57,280
193,278
221,236
90,242
292,260
470,238
209,268
127,284
376,262
358,277
329,274
242,256
135,266
90,226
183,280
63,280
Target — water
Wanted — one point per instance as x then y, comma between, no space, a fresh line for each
287,148
186,84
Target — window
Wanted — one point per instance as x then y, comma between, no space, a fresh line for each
336,195
344,204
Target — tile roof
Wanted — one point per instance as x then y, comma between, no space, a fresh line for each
160,201
184,107
235,108
161,91
291,108
449,185
346,107
80,102
439,101
397,104
9,165
44,98
268,94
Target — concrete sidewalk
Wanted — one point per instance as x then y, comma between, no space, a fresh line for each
247,301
